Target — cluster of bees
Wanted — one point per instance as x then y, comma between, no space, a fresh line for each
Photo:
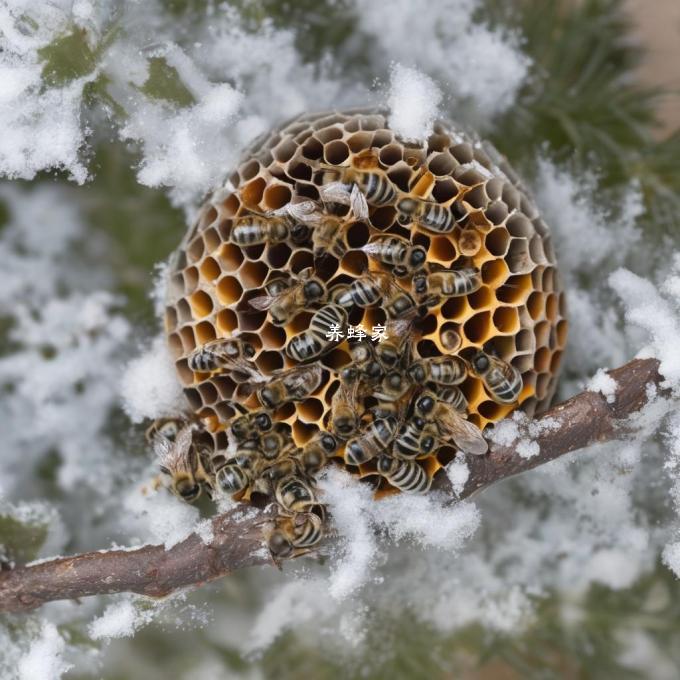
391,407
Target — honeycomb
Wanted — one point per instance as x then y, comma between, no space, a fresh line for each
518,313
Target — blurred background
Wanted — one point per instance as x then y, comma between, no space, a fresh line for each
118,117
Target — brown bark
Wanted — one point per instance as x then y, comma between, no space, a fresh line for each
151,570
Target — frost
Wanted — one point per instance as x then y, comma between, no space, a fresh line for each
348,502
119,620
671,557
413,101
159,517
186,148
149,387
528,449
603,383
475,62
44,657
45,123
520,431
649,309
458,473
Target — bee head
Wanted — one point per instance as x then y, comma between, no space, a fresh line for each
425,404
313,290
248,350
420,284
385,464
267,397
328,443
263,422
299,233
417,373
279,545
418,257
406,207
187,489
480,362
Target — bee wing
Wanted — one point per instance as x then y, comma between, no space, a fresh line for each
307,212
358,204
297,377
467,436
373,247
242,368
335,192
173,454
262,302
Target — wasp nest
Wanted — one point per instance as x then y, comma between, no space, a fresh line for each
352,297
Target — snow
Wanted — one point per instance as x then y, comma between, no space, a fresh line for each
413,101
159,517
671,557
656,313
120,619
69,363
44,658
348,502
476,63
458,473
149,387
46,125
603,383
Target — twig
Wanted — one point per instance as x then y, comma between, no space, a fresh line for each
151,570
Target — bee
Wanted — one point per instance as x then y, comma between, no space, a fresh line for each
501,379
453,396
392,388
450,423
444,370
179,460
425,214
251,425
396,251
345,417
365,371
374,440
167,428
294,535
294,494
236,473
225,354
396,350
232,478
325,330
272,474
284,302
274,227
357,188
368,289
314,454
329,237
443,283
415,439
406,475
294,384
274,444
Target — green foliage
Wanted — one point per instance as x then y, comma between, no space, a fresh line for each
67,58
164,83
20,542
582,102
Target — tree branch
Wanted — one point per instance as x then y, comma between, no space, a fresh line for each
151,570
